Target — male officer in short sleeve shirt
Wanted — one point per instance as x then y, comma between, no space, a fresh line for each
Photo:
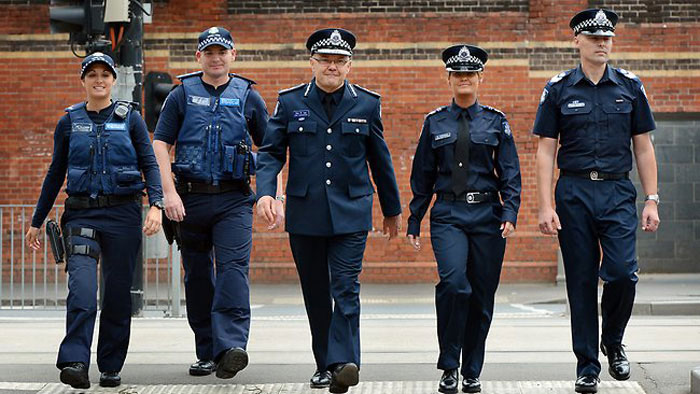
593,112
333,130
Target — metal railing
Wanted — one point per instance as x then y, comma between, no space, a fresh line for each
30,279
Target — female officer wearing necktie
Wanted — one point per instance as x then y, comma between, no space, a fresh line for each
466,155
103,147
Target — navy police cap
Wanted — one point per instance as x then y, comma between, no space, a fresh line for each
464,57
97,57
594,22
215,36
333,41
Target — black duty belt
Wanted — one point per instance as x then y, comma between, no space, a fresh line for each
85,202
207,188
469,197
596,175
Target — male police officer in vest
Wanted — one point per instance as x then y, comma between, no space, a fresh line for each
210,119
594,111
333,129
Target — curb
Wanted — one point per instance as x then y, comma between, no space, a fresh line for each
695,380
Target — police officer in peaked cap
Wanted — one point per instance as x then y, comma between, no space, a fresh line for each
212,119
333,131
466,155
103,149
591,114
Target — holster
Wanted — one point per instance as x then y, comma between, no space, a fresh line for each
58,247
172,231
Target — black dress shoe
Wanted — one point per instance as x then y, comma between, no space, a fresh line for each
344,376
202,368
76,375
618,365
233,361
471,385
587,384
448,381
320,380
110,379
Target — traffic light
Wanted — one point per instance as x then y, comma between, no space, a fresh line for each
84,19
157,87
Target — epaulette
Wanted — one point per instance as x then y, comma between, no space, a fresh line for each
375,94
496,110
436,110
560,76
234,75
192,74
75,106
283,91
627,74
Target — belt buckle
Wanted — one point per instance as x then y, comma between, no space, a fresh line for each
471,197
595,176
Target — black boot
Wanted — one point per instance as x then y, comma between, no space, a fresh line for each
344,376
202,368
471,385
618,365
320,380
448,381
110,379
76,375
587,384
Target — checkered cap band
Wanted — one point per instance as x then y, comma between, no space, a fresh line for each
594,24
215,40
97,59
327,43
464,61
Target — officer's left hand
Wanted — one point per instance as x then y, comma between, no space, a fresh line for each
278,211
507,229
392,226
154,218
650,217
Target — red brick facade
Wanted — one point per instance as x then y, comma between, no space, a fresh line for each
397,56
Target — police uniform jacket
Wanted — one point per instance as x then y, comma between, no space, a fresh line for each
493,160
594,123
328,190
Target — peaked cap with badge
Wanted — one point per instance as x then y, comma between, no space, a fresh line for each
215,36
464,58
331,41
594,22
97,57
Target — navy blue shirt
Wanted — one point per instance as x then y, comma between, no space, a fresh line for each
173,114
594,123
56,174
493,160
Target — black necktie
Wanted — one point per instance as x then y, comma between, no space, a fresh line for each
460,167
328,104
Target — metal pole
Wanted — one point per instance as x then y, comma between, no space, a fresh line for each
175,281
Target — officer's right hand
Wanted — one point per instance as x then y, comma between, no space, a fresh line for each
549,222
265,211
414,240
32,238
174,209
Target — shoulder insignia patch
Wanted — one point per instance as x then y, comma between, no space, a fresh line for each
373,93
627,73
560,76
283,91
436,110
192,74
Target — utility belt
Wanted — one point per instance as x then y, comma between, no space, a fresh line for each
596,175
469,197
61,245
186,186
85,202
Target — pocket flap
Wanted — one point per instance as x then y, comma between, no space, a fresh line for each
360,190
128,176
355,128
489,138
618,108
301,127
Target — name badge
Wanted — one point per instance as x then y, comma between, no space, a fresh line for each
619,100
301,114
357,120
115,126
576,104
229,102
198,100
81,127
442,136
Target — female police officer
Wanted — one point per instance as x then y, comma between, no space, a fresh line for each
467,156
103,146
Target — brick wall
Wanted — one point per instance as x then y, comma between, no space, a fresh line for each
397,55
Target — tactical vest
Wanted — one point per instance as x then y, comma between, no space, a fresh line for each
213,143
101,157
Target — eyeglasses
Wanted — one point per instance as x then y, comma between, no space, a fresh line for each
328,62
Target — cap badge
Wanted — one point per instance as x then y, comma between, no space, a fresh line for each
464,54
335,37
601,18
214,30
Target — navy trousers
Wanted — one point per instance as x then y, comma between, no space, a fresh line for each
217,228
328,269
118,242
469,250
595,216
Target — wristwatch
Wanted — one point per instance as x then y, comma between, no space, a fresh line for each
652,197
158,204
280,198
